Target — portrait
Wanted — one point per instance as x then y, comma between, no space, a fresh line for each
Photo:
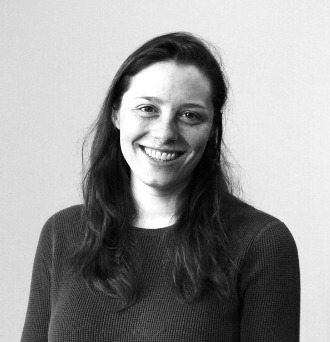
164,172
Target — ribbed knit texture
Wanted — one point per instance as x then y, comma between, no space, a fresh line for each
265,306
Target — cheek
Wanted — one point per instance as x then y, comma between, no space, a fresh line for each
198,140
130,131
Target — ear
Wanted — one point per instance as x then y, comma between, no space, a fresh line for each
115,118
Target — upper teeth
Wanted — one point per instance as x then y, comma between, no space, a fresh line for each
156,154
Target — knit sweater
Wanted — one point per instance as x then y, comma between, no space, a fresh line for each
265,306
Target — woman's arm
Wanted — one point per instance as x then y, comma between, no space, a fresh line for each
270,287
38,311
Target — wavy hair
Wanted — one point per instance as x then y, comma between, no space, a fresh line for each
200,256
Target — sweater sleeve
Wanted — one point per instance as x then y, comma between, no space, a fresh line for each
270,287
38,311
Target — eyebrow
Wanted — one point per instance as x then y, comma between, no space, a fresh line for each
158,100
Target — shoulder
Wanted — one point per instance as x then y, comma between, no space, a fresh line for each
65,225
61,232
253,231
247,222
67,215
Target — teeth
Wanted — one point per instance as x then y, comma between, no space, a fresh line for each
158,155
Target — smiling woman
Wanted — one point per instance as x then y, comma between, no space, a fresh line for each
161,249
163,135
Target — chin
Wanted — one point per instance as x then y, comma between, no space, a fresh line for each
160,185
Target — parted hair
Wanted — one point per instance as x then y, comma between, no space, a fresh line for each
200,256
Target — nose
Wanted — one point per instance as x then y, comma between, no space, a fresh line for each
166,129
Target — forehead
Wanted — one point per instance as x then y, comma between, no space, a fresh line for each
171,80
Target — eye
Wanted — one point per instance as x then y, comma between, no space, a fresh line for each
191,118
147,109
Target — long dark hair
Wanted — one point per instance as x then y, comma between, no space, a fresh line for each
200,255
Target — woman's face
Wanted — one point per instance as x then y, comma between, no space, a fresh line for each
165,120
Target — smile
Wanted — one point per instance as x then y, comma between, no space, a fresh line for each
160,156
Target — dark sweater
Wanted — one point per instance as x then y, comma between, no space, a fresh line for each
265,305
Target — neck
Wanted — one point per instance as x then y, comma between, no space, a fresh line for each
156,207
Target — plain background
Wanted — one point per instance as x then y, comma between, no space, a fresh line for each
57,60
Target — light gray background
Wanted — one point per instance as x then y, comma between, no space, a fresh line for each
57,60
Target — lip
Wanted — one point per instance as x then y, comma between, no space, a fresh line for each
158,161
163,150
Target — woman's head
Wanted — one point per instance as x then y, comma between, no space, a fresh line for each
184,50
165,121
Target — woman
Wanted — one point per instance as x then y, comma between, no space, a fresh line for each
162,250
